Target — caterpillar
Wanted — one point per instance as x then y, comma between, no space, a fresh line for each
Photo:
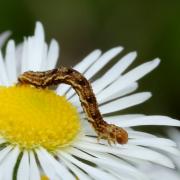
110,132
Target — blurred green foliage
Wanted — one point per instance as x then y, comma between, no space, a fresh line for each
150,27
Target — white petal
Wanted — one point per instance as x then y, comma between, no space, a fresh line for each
3,37
92,171
122,92
77,171
123,117
47,166
18,57
158,143
87,61
129,169
138,134
102,61
114,72
60,169
44,62
159,172
23,169
168,174
129,151
25,59
9,164
152,142
125,102
108,163
3,76
35,55
11,62
129,77
4,152
146,120
36,47
34,171
53,55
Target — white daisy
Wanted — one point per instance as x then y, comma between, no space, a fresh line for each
43,135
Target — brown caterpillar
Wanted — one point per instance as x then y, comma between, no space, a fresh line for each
87,98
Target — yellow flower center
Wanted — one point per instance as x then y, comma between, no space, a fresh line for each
44,178
31,117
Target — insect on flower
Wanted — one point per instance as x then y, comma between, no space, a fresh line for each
84,90
43,131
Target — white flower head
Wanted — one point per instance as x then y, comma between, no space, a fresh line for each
45,134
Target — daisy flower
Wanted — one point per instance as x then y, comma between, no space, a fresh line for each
44,134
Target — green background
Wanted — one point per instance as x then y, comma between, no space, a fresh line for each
150,27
